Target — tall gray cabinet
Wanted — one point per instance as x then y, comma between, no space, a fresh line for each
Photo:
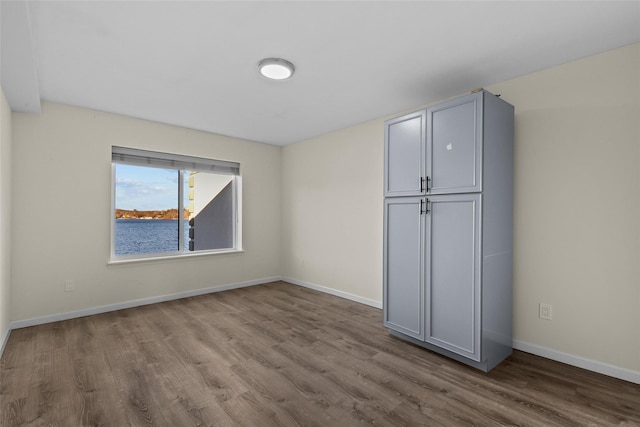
448,187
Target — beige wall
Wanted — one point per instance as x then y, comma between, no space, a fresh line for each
62,197
5,216
577,204
332,205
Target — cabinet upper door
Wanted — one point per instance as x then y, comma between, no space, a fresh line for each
454,145
403,285
452,273
404,146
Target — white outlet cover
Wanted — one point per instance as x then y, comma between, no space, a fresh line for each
545,311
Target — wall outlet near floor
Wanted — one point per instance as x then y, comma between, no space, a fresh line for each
545,311
69,285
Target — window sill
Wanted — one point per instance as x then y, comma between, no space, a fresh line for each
118,261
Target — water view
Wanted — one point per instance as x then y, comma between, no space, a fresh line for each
148,236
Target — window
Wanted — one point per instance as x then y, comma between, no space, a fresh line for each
168,205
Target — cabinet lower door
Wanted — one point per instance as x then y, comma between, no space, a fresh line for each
403,272
452,264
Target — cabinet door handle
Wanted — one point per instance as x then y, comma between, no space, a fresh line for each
421,184
424,206
426,189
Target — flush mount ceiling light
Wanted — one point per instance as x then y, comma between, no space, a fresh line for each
276,68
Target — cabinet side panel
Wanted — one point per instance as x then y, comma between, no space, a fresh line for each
403,284
498,176
497,316
497,238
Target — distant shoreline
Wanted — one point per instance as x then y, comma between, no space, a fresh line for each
149,219
155,214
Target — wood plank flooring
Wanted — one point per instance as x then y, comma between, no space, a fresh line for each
279,355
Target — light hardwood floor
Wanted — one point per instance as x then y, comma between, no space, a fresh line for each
279,355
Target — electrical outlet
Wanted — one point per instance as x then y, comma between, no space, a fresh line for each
545,311
69,285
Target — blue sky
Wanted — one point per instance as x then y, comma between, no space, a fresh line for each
145,189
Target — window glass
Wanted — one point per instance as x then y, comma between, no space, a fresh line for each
146,214
211,214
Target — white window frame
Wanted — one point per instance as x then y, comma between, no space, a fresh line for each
180,163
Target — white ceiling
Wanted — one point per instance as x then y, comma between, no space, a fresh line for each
193,64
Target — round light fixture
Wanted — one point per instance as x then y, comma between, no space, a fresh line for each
276,68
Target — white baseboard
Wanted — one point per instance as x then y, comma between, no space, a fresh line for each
5,339
580,362
134,303
345,295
